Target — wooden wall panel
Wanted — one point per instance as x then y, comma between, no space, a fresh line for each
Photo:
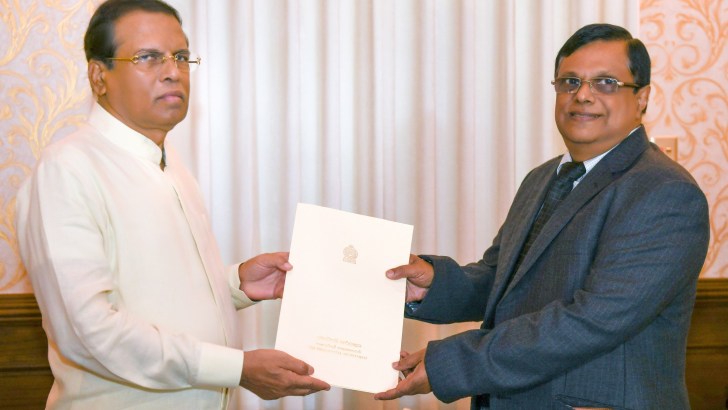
707,355
25,377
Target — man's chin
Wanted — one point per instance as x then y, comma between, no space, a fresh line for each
173,116
580,137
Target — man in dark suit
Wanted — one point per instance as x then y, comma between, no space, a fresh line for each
585,300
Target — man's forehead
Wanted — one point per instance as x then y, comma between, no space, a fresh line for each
141,29
598,58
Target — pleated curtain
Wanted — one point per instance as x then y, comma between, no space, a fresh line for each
426,112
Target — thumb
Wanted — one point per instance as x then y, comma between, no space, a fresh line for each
280,261
398,273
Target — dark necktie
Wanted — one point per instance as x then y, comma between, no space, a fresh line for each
562,185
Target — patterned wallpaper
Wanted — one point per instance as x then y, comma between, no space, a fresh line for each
44,95
687,41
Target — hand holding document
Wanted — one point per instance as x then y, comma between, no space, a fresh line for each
340,313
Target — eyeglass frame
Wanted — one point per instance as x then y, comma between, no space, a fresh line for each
135,59
591,86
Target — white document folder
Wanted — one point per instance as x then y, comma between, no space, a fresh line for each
340,313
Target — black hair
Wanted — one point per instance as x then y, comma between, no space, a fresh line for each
99,41
639,58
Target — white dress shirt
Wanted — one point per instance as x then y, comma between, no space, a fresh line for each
136,302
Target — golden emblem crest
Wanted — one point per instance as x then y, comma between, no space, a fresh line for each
350,254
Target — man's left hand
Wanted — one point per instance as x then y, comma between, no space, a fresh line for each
415,381
264,276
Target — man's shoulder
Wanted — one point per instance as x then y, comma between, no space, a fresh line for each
654,165
72,147
79,154
636,161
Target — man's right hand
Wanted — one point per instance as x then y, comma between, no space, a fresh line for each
272,374
419,276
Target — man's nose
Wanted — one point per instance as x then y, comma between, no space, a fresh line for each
584,93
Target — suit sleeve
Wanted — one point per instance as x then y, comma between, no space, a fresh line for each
458,293
650,250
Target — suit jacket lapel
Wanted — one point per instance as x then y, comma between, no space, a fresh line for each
606,171
525,206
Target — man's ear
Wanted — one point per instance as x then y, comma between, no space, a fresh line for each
643,97
97,76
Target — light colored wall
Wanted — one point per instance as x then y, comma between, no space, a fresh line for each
687,41
44,95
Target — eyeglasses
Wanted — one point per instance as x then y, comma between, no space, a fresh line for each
152,61
598,85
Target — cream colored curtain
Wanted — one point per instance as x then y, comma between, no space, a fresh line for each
426,112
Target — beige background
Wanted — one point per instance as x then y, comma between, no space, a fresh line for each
687,42
44,95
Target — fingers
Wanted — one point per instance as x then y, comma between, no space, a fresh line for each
304,385
419,274
296,366
272,374
408,361
418,271
297,381
263,277
416,382
277,260
281,261
294,386
404,271
278,288
390,394
315,385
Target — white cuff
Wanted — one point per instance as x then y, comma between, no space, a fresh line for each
220,366
240,299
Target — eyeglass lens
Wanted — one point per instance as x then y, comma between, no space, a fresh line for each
600,85
154,61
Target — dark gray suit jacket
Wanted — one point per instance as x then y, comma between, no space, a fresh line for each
599,310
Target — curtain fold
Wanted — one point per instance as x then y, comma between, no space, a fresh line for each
424,112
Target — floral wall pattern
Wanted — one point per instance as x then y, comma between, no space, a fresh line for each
687,41
44,95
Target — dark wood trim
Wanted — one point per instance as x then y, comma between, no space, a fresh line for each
712,290
707,353
25,376
18,307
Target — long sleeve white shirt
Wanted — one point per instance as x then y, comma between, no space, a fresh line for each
136,302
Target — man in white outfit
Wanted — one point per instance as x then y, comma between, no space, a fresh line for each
136,302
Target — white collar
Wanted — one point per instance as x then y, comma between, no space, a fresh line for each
122,136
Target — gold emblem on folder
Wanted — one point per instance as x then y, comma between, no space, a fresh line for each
350,254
